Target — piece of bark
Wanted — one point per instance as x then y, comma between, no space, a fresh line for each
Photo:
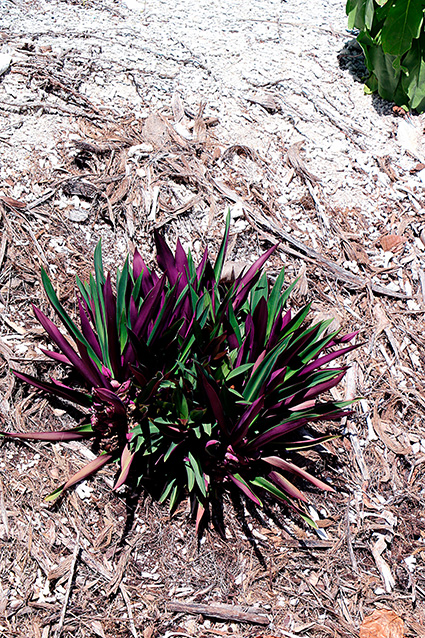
337,272
232,613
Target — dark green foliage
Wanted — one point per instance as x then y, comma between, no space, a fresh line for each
191,384
392,36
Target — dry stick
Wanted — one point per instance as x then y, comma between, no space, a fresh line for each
234,613
3,511
44,105
3,248
127,601
349,542
358,283
350,394
69,585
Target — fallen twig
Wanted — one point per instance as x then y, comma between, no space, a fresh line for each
234,613
332,269
69,585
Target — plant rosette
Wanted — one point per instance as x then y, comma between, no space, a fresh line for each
193,385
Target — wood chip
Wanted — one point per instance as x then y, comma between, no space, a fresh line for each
393,243
382,623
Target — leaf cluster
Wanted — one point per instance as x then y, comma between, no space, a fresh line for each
190,385
392,36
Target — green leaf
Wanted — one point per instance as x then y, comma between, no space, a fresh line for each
174,498
260,481
122,281
218,266
99,323
276,301
198,474
169,451
403,24
239,370
413,82
369,13
190,477
98,264
260,290
167,491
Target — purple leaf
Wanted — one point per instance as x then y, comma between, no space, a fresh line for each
286,486
126,460
54,333
214,402
110,397
257,265
64,435
88,469
111,326
260,318
165,259
57,389
149,308
87,330
276,432
182,264
241,429
280,323
57,356
327,358
294,469
344,339
149,279
201,269
245,489
325,386
245,283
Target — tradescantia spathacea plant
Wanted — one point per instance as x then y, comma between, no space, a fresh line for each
191,384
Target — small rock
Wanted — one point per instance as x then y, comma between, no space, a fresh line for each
78,215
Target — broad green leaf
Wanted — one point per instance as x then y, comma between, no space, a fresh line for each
413,82
403,24
260,290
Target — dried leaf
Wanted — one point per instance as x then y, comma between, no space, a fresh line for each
294,160
98,629
200,130
388,441
120,192
232,270
384,569
266,101
155,131
392,242
382,321
382,623
12,203
80,188
177,106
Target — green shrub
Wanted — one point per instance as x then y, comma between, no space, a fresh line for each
392,36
